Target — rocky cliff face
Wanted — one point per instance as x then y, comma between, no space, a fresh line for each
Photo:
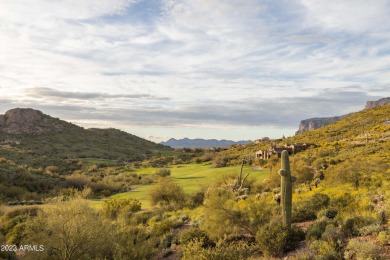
314,123
380,102
27,120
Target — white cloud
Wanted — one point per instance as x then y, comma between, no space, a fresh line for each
195,53
349,15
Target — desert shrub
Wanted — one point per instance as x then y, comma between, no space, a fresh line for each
324,250
226,216
357,249
221,251
161,227
163,172
70,225
193,234
220,161
319,201
306,210
328,213
372,229
113,207
166,240
383,237
275,239
351,225
167,252
334,236
167,194
142,217
317,229
133,243
348,226
342,201
196,199
77,181
302,213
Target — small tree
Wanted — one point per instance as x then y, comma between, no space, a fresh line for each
70,230
167,193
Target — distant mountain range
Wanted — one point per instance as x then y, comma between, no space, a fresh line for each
201,143
314,123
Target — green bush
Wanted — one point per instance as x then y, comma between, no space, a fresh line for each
383,237
163,172
167,194
328,213
352,225
334,236
319,201
275,239
196,199
193,234
307,209
317,229
113,207
324,250
348,226
221,251
372,229
302,213
357,249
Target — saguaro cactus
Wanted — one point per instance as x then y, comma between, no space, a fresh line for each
286,189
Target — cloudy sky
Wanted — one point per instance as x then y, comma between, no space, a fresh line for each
237,69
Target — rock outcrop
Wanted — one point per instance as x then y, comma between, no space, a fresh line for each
29,121
314,123
380,102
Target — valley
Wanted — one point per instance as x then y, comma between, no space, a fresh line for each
216,204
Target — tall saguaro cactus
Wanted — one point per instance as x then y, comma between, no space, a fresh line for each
286,189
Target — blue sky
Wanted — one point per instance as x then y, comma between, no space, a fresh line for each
202,68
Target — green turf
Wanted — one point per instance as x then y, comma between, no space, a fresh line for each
191,177
99,161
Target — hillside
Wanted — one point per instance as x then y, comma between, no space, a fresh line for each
31,131
314,123
340,200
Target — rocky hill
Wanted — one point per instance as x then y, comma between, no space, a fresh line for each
28,121
200,143
314,123
33,133
380,102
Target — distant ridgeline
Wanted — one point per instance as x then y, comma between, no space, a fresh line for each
30,133
200,143
314,123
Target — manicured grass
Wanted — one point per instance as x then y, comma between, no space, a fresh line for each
191,177
99,161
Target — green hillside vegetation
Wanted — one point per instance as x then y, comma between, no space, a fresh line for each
162,208
77,142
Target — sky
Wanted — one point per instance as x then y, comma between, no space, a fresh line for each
222,69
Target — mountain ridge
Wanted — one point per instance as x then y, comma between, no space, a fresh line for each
201,143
